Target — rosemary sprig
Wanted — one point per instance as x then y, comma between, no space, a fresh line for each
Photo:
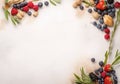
83,79
7,14
55,2
88,3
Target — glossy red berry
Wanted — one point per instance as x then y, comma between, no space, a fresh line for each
107,36
107,68
117,5
30,4
25,9
14,11
108,80
107,30
36,7
103,74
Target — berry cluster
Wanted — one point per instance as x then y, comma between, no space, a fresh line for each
104,75
26,6
104,11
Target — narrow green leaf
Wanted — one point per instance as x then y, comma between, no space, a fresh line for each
13,21
117,53
76,76
52,2
6,13
116,61
106,57
57,1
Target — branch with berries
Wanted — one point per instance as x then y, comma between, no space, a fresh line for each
16,9
106,73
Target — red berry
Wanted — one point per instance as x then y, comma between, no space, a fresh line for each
117,4
103,74
25,9
36,7
108,80
107,68
107,30
14,11
107,36
30,4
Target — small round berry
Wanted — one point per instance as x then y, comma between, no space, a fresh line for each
99,26
81,7
14,5
101,63
107,31
100,70
94,23
40,4
46,3
107,36
92,59
29,13
104,26
101,21
90,10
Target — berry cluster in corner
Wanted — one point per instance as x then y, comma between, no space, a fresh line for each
103,11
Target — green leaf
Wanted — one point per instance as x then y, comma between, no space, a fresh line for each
13,21
116,61
52,2
58,1
106,57
118,15
76,76
117,53
6,13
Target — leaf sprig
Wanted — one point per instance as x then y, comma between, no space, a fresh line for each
7,14
83,79
55,2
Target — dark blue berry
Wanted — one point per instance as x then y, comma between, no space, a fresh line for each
112,14
101,63
90,10
46,3
95,23
29,13
93,76
100,70
96,72
40,4
99,11
95,9
101,21
110,1
14,5
81,7
104,26
99,26
92,59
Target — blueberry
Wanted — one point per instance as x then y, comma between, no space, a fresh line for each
95,23
95,9
81,7
104,26
14,5
101,63
99,11
112,14
100,70
99,26
99,82
90,10
46,3
40,4
113,10
96,72
92,59
18,6
29,13
101,21
93,76
96,1
109,11
105,12
110,1
113,72
22,4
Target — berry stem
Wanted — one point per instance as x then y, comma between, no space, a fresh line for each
113,33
